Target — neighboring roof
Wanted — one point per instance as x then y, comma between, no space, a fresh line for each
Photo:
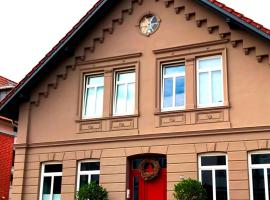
6,83
9,105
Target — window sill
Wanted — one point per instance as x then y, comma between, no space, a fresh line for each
105,124
106,118
191,110
196,116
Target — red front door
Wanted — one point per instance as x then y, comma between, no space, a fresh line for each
155,189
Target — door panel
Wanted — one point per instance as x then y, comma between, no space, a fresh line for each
155,189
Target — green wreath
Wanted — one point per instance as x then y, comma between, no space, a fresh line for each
148,176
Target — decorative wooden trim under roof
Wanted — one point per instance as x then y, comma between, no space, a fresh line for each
10,104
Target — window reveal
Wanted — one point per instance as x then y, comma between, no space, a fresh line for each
88,171
214,177
93,96
124,101
51,181
209,81
173,87
259,172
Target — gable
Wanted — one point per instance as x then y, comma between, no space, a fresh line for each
188,9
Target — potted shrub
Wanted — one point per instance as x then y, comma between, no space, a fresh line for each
189,189
92,191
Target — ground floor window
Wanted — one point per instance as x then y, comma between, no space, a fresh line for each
259,175
88,171
51,181
213,173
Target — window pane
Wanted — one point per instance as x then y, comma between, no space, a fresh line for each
203,88
57,186
46,186
90,102
136,163
208,183
120,99
95,178
99,102
96,80
162,162
136,187
180,91
168,93
90,166
131,98
221,185
213,160
260,158
126,77
216,87
83,180
56,197
53,168
258,184
173,70
208,64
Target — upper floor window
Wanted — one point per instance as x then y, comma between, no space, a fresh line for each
173,87
259,173
124,100
209,81
214,177
51,181
88,171
93,96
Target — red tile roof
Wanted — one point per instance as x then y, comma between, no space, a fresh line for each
48,55
4,82
240,16
89,13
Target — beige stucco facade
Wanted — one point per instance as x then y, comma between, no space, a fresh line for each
51,127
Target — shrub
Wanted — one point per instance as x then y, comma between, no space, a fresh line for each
92,191
189,190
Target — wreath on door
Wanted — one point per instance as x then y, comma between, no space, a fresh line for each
146,175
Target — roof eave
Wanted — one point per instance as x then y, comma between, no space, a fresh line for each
237,20
28,81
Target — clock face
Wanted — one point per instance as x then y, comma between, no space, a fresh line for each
149,24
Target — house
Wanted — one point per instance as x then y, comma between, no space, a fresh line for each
6,142
175,88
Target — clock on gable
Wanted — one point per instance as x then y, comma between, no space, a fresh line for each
149,24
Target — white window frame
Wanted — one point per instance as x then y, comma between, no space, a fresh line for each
174,76
89,173
51,174
209,71
116,83
84,116
258,166
213,168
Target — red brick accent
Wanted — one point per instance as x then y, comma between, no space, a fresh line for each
6,157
